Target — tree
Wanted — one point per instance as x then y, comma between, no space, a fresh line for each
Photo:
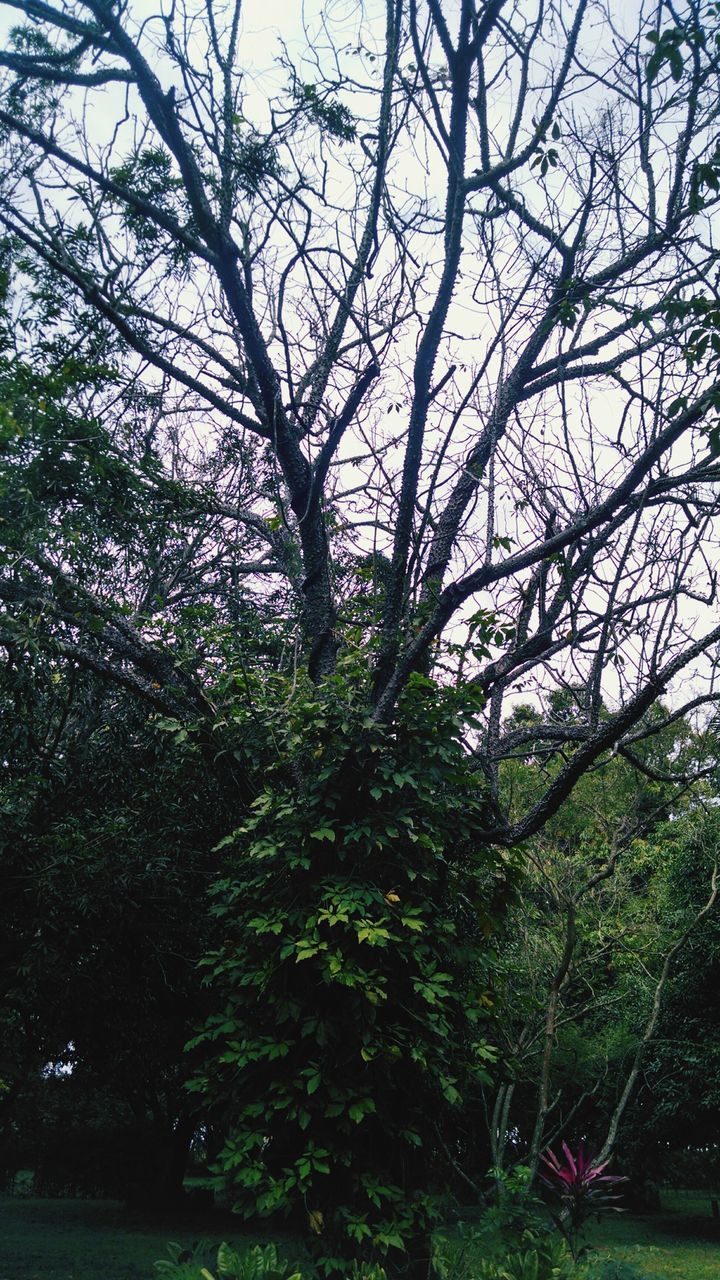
415,336
671,1132
107,829
599,943
106,850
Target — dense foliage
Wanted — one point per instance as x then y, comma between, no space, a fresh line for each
355,966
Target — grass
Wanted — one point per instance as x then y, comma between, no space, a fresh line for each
99,1240
682,1242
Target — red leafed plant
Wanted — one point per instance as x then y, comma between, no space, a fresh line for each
582,1187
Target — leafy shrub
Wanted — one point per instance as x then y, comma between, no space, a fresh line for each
535,1255
183,1263
545,1259
582,1187
22,1183
255,1264
350,986
516,1209
455,1258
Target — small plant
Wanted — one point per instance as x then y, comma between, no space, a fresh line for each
455,1257
583,1189
516,1208
183,1262
546,1258
367,1271
532,1252
255,1264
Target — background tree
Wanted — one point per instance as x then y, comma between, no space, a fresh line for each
670,1133
415,338
599,943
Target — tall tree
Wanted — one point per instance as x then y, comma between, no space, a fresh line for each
418,330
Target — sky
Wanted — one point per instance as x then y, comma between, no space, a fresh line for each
266,27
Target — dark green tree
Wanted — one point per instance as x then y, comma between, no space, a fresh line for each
599,947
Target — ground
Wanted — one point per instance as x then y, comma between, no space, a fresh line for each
681,1243
98,1240
95,1239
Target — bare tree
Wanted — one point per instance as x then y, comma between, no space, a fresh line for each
427,311
430,282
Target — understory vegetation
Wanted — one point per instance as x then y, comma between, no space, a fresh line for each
71,1240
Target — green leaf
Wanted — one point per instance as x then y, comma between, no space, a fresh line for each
228,1261
677,406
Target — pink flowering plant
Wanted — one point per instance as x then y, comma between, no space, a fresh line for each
582,1188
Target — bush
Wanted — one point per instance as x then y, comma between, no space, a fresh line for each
516,1210
581,1188
545,1258
532,1253
255,1264
537,1256
350,988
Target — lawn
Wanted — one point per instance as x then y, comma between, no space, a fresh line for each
680,1243
99,1240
